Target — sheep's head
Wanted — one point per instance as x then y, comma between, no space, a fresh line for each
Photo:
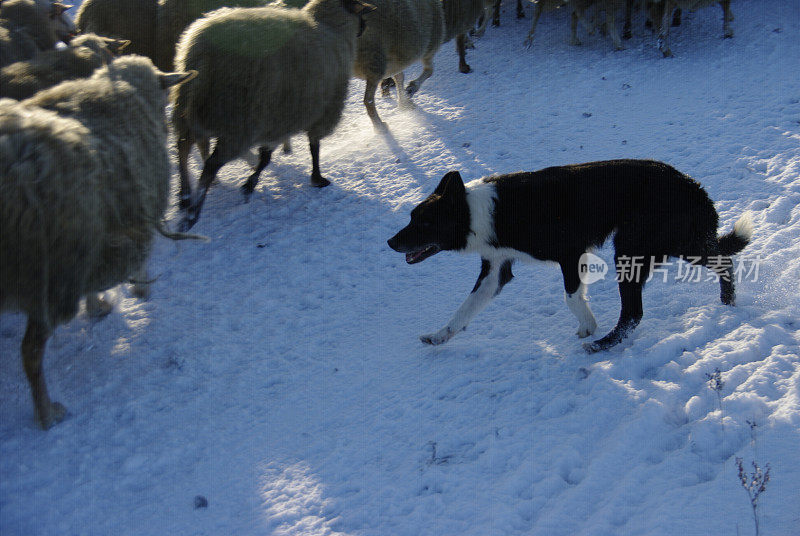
357,7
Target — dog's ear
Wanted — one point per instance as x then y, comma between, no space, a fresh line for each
451,185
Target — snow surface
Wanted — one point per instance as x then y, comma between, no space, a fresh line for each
276,370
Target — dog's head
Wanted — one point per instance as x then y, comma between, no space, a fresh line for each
440,222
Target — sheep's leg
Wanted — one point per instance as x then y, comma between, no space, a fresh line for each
483,20
611,24
316,177
461,48
141,284
496,13
427,71
264,156
386,87
520,10
204,146
676,18
47,412
573,25
185,143
727,17
537,12
210,170
663,30
626,28
369,104
96,306
402,96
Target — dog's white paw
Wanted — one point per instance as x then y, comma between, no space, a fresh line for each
586,330
435,339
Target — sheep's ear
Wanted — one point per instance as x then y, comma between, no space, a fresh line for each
451,184
357,7
116,46
59,8
172,79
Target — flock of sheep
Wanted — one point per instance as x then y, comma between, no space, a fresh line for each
84,168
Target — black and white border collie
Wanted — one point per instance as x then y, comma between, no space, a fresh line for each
557,214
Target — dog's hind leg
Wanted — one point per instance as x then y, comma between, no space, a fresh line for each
630,283
575,297
722,265
494,275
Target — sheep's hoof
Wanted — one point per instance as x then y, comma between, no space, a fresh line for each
667,53
496,22
728,34
528,43
188,220
55,414
575,42
141,290
626,34
97,307
380,127
464,68
247,191
185,201
318,181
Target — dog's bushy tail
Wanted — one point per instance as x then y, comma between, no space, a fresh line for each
736,240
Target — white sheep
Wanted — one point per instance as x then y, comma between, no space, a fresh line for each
399,33
264,74
84,182
84,54
661,14
28,27
133,20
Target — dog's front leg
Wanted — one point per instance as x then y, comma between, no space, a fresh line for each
490,281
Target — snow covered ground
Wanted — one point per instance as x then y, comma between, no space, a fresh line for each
276,370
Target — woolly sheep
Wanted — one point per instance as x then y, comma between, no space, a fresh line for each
133,20
459,18
84,177
578,9
84,54
264,74
399,33
494,10
174,16
661,14
28,27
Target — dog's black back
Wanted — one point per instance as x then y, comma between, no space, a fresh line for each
559,212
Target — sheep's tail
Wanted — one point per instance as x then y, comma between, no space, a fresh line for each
161,227
736,240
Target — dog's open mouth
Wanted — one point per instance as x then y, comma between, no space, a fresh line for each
414,257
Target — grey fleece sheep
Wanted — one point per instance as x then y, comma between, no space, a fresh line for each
578,9
399,33
84,54
263,75
661,14
84,182
174,16
28,27
459,17
134,20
